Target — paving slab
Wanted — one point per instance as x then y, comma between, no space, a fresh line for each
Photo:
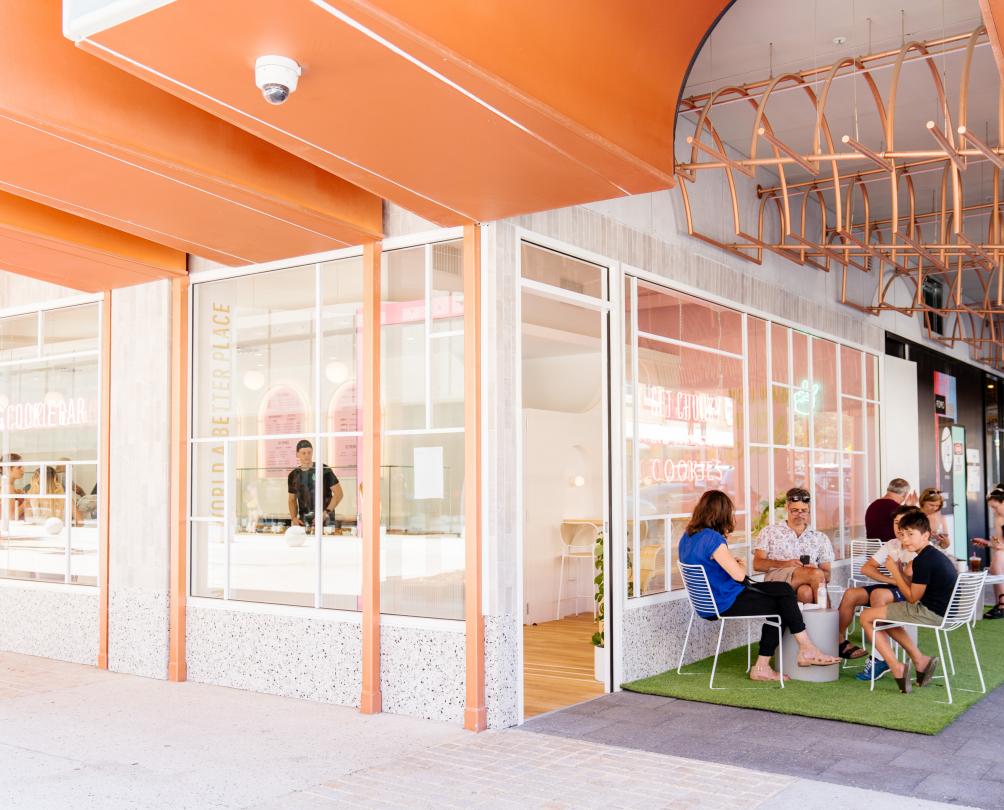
958,765
75,737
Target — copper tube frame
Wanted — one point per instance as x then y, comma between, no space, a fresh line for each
826,221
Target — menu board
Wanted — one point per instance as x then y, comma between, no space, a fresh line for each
283,413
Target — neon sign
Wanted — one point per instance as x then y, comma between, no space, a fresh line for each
687,470
39,415
805,398
685,418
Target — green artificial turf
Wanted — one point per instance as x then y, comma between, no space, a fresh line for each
846,699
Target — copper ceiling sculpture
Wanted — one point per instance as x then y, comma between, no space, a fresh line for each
855,206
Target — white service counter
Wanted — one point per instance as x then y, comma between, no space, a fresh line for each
28,551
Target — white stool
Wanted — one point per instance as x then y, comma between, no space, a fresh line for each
578,541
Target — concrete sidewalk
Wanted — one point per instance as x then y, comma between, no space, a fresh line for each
73,736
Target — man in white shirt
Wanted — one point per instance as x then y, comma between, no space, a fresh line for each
792,552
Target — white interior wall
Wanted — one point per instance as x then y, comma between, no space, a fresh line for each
558,446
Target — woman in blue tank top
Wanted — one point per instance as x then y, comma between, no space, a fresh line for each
704,544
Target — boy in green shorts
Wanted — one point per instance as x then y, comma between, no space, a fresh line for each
926,599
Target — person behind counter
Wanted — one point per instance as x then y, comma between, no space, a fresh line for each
301,487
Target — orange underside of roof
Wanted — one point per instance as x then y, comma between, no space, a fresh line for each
456,110
88,139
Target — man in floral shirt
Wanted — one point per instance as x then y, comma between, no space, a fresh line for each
792,552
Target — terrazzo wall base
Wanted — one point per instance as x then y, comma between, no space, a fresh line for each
53,622
502,681
422,673
311,658
138,632
653,638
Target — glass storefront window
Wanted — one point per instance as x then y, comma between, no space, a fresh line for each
810,425
278,360
422,474
49,424
276,365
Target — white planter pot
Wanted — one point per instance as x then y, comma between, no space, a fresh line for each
600,664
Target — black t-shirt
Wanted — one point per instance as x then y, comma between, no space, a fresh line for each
301,484
933,569
878,519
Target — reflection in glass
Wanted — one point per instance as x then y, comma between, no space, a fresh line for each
19,337
403,339
422,525
447,302
48,446
254,337
559,270
70,329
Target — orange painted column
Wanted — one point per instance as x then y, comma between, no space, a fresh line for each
475,715
370,700
104,477
176,669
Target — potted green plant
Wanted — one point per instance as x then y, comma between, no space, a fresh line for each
763,517
599,651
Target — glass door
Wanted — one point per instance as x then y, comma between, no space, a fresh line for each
565,419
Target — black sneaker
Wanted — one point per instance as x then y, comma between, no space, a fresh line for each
996,612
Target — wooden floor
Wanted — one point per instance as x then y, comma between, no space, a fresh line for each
558,664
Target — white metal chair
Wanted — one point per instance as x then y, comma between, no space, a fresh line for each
578,542
861,552
965,597
695,579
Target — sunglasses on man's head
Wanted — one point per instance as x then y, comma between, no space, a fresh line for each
799,498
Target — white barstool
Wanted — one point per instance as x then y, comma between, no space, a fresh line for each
578,542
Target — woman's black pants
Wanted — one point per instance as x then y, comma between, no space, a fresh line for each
763,599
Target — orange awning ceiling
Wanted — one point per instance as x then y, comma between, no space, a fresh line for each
63,249
456,110
86,138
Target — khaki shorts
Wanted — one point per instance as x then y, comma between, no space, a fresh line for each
915,614
780,574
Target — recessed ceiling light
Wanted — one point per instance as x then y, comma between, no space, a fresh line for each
839,40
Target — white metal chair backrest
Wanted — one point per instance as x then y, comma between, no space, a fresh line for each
861,552
965,597
695,579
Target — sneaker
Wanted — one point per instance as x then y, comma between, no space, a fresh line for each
881,668
996,612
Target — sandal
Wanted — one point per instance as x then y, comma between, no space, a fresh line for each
996,612
766,675
924,676
904,683
850,651
819,660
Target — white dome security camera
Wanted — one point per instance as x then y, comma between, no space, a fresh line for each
276,77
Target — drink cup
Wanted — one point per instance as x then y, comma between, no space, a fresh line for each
804,559
975,564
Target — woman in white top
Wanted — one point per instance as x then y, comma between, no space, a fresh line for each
995,500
